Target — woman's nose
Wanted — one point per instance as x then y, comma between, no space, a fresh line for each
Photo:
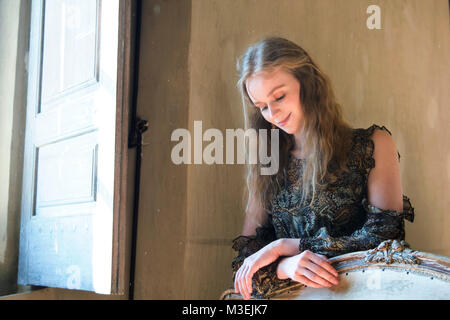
273,112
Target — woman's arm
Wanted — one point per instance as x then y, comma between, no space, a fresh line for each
384,217
384,188
257,254
311,269
385,213
255,217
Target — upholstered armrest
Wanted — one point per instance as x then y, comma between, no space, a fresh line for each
389,271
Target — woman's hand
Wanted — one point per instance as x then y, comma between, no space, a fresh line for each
251,264
309,268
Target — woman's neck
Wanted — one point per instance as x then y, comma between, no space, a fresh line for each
297,151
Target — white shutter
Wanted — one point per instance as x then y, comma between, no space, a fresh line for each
68,181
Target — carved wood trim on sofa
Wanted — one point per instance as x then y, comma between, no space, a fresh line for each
390,255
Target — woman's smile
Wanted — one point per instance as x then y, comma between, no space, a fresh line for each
284,122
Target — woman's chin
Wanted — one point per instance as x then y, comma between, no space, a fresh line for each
287,129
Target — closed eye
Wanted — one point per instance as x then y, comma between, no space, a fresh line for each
280,98
277,99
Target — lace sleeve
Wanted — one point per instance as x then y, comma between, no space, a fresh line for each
380,225
265,280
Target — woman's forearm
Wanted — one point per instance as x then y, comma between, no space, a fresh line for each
288,246
281,274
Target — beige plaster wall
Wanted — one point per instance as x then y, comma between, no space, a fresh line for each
13,45
395,77
163,100
8,52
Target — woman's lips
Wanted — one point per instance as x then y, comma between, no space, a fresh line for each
282,123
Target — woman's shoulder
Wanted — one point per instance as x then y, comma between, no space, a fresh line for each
363,143
366,133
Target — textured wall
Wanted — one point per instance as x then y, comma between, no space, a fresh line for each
8,51
12,131
163,100
396,76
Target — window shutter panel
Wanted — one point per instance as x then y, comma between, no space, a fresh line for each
68,179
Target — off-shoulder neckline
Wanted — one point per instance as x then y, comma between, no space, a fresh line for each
368,131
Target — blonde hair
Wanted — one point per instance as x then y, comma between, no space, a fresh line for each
325,133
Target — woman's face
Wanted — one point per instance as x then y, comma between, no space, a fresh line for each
277,95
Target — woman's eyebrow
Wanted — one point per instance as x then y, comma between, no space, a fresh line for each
271,91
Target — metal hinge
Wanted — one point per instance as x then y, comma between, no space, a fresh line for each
136,138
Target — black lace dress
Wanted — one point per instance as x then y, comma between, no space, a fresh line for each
340,220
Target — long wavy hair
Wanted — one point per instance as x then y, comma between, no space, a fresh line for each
325,134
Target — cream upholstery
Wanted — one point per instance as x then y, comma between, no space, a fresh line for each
390,271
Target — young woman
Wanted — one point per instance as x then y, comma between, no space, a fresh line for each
337,190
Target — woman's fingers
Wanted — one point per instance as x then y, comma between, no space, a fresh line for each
245,281
315,277
238,283
321,272
241,280
313,270
248,281
324,263
237,289
307,282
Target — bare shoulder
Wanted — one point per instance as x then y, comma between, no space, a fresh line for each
384,181
384,142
